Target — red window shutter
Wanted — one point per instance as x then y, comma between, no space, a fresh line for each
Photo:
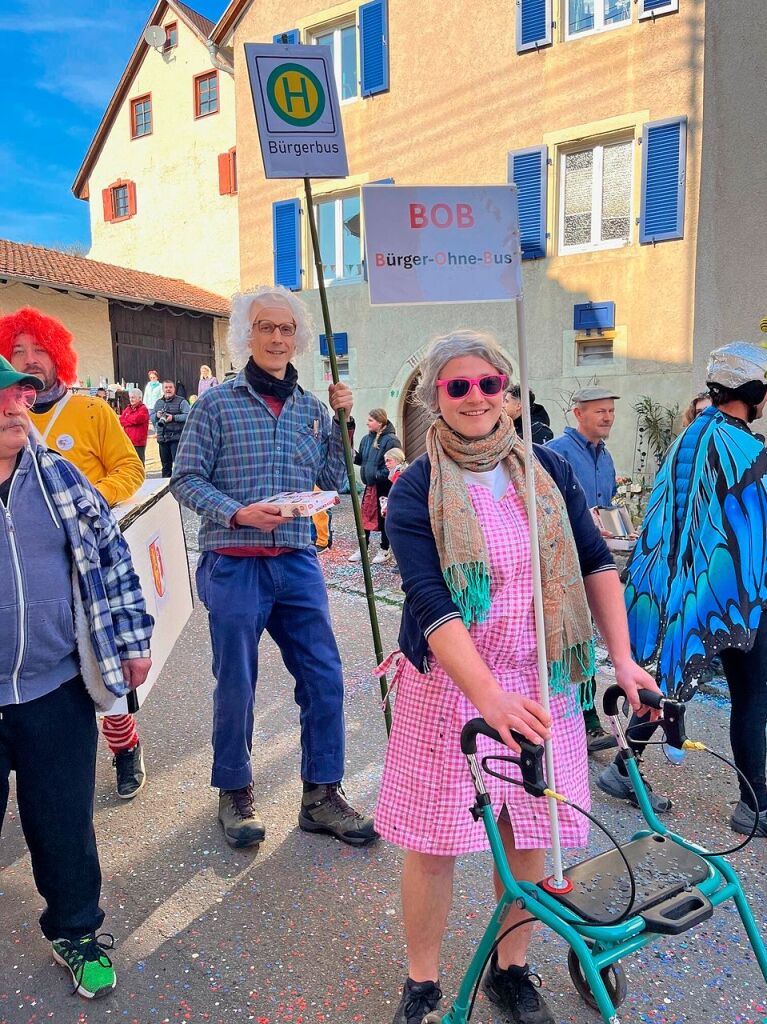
131,198
106,197
224,175
233,170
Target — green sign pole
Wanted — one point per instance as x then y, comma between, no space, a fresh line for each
348,455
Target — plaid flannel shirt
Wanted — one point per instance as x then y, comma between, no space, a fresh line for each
234,451
120,627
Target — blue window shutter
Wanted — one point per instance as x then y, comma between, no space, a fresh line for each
528,171
534,27
340,343
651,8
374,47
378,181
287,243
293,34
594,316
664,148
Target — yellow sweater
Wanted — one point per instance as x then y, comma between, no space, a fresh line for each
89,435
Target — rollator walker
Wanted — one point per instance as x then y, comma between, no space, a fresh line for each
662,883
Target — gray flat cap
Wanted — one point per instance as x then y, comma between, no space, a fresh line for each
593,394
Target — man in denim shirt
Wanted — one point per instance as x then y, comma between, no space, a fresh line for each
584,444
244,441
584,448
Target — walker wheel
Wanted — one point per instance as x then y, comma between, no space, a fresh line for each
614,978
435,1017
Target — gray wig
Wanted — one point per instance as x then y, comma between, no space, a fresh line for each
266,295
453,346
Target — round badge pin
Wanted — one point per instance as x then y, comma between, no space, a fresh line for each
65,442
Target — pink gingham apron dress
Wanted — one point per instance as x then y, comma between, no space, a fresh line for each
426,790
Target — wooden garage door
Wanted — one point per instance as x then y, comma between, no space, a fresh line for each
155,339
417,422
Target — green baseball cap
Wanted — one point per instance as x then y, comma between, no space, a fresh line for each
9,377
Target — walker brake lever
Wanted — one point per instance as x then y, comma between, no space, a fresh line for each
530,763
673,723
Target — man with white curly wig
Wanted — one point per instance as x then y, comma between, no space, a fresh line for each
251,437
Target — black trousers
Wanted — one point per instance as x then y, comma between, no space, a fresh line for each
51,745
746,675
168,451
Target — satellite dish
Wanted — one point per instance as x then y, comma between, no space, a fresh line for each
154,36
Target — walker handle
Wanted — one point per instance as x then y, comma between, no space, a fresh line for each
476,726
530,758
614,693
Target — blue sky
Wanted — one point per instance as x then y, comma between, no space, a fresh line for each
60,61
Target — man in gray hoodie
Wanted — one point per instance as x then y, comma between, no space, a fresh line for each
75,636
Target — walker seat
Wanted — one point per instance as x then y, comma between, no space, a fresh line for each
665,874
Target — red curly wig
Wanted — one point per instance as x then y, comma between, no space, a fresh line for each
50,333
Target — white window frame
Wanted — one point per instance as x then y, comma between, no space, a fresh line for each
599,21
596,198
335,28
344,372
597,338
338,200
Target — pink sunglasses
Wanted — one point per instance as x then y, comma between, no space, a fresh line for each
459,387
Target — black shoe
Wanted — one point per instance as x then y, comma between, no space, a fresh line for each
418,999
131,776
515,991
599,739
325,809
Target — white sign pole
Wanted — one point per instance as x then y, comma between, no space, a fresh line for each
557,880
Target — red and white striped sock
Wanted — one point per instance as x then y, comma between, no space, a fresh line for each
119,732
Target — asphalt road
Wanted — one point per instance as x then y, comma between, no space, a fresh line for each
306,930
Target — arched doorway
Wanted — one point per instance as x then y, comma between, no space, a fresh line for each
415,422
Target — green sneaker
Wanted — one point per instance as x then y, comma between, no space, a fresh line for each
92,972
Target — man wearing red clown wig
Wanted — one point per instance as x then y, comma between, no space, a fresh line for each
86,432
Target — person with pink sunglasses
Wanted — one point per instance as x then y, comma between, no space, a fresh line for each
458,525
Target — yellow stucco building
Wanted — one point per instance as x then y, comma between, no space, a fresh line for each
160,175
601,111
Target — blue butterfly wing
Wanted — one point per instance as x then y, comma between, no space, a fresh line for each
697,580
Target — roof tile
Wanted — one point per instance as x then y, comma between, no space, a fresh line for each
36,265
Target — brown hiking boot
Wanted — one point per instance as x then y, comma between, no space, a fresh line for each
325,809
242,826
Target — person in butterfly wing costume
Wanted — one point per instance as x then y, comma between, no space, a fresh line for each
697,580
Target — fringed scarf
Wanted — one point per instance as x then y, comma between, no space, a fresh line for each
463,551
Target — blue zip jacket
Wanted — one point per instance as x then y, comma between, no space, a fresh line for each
105,600
592,464
428,604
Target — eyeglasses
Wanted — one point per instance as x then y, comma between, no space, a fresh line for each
459,387
267,327
22,394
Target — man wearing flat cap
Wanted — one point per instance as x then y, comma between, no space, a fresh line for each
583,446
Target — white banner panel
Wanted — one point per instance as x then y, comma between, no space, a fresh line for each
451,243
152,527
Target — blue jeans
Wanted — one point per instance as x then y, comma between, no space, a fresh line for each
285,596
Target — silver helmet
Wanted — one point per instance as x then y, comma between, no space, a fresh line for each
736,364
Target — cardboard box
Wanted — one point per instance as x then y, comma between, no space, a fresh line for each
303,503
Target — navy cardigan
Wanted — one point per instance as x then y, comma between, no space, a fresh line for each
427,599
